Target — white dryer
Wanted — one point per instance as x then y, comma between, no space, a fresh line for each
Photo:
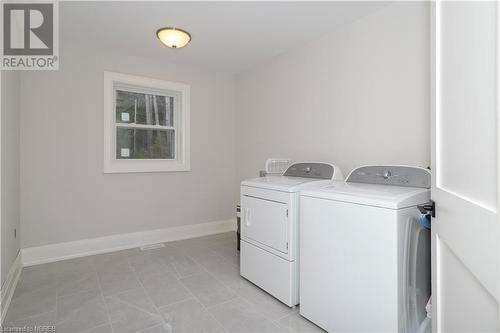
269,227
364,257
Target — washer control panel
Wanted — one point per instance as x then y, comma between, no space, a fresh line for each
310,170
391,175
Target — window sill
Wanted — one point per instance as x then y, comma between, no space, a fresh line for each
145,166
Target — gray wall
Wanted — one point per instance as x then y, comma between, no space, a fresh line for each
357,96
66,196
10,169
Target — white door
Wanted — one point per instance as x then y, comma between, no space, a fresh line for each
465,165
265,221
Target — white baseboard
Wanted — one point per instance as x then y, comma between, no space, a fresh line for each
10,285
81,248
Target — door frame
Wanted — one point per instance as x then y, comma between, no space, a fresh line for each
498,125
434,30
1,186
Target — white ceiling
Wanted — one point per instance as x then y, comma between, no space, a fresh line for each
227,36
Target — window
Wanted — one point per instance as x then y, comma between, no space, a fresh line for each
146,124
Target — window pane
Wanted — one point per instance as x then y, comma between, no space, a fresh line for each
144,109
134,143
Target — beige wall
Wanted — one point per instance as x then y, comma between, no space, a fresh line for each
357,96
10,170
66,196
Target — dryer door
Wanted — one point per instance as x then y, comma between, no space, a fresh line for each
265,221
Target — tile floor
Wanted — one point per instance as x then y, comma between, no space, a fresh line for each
187,286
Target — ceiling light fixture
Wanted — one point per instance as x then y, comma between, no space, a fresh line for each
173,37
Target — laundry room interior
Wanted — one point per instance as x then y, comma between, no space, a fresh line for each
250,166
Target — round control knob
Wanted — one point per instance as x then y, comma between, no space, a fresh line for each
387,174
307,169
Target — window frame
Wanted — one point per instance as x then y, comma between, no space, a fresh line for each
118,81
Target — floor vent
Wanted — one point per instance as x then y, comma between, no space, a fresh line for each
152,246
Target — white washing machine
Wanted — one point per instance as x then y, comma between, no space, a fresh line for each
364,257
269,227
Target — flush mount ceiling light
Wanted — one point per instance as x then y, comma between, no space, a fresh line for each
173,37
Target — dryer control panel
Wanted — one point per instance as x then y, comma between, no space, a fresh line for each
391,175
310,170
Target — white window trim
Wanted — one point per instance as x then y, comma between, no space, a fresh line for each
182,144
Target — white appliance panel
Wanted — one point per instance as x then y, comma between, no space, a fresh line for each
265,221
275,275
348,266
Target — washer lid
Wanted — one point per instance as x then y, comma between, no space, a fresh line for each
283,183
385,196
